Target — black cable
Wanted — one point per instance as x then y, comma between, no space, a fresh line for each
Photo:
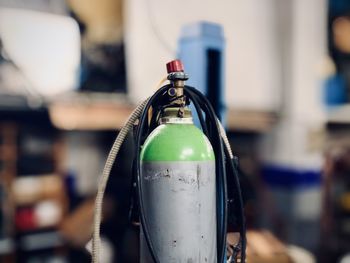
215,139
232,164
156,31
200,116
235,176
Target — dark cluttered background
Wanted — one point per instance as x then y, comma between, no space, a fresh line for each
72,71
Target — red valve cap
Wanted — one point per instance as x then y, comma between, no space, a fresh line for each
175,66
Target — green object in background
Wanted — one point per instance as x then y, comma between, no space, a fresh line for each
177,142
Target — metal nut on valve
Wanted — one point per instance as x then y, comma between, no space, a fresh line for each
181,112
172,92
177,76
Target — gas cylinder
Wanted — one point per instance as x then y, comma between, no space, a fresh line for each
178,181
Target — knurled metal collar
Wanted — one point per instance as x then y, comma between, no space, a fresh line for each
171,115
176,120
177,76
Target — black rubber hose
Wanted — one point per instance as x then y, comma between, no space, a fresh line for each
232,165
241,207
200,116
215,139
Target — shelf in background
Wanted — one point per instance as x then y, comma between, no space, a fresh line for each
339,115
7,246
250,120
338,127
90,111
39,241
110,111
29,190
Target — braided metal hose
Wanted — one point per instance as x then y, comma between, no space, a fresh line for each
96,241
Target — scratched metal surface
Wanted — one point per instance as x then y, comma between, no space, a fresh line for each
180,209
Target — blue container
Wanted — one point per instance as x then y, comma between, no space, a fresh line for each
201,49
335,92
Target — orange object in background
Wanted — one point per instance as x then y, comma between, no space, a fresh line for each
31,189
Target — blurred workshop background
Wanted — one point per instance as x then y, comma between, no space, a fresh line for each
72,71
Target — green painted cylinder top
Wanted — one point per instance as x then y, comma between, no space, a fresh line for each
177,142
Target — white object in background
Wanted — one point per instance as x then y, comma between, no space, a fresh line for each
345,259
252,62
45,47
300,255
48,213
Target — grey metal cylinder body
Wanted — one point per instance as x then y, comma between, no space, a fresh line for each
180,209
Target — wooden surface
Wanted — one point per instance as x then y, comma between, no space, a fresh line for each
337,128
109,113
339,115
250,120
262,247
